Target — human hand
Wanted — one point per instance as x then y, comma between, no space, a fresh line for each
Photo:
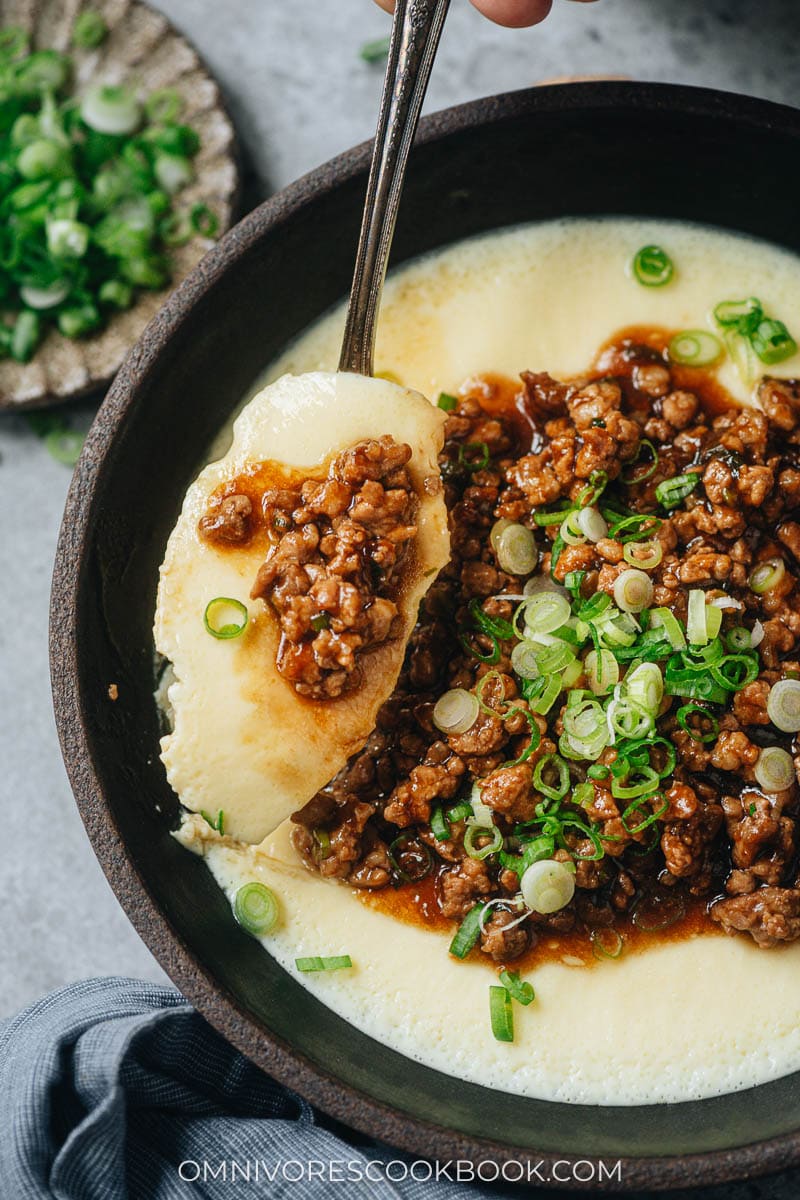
516,14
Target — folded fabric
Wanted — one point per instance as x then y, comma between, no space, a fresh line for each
113,1089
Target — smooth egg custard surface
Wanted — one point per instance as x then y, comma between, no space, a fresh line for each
685,1020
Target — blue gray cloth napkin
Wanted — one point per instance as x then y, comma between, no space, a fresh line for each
113,1089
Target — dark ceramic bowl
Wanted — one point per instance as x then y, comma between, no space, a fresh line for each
599,148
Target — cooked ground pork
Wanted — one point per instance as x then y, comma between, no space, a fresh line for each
705,832
332,569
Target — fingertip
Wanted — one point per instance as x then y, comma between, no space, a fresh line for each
514,14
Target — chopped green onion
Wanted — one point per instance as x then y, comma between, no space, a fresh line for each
633,590
641,476
547,886
173,172
336,963
204,220
256,908
108,108
739,638
64,445
468,932
642,781
651,818
686,711
516,550
735,671
547,691
89,30
652,266
46,297
672,492
634,529
467,450
460,812
767,575
544,612
663,618
217,823
447,403
645,555
524,660
772,342
738,314
556,788
163,105
67,239
439,826
494,844
519,989
598,482
774,769
602,671
501,1014
376,51
322,844
695,348
645,687
422,857
606,943
25,336
783,705
225,618
696,628
456,711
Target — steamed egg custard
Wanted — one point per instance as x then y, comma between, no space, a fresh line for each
575,790
256,731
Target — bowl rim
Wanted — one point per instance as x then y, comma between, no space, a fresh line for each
216,1003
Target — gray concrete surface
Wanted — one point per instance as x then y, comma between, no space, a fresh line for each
299,93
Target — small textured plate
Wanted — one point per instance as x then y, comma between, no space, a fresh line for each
144,50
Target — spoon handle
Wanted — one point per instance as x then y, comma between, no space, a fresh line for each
416,30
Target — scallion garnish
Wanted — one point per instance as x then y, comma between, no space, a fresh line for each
639,476
411,859
89,30
337,962
707,730
473,455
695,348
217,823
375,51
225,618
769,339
672,492
491,837
468,932
501,1014
652,266
551,776
519,989
85,219
439,825
783,705
256,908
606,943
447,402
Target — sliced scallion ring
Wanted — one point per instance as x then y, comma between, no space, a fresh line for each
547,886
456,711
523,660
774,769
225,618
516,550
652,266
111,109
255,907
544,613
644,555
645,687
767,575
592,524
696,628
337,962
663,618
672,492
501,1014
633,590
602,671
519,989
697,731
468,932
606,943
783,705
543,780
695,348
494,843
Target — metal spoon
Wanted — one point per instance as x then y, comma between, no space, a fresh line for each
416,30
